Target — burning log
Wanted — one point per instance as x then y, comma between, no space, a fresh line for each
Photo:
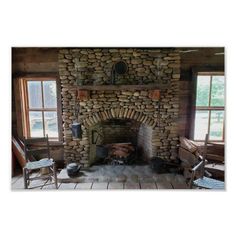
119,153
120,150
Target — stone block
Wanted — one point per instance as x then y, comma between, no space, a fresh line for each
154,95
129,93
83,95
176,76
144,93
136,61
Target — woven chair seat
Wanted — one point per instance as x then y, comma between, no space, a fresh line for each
209,183
45,162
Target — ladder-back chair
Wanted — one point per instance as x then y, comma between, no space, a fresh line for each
34,147
203,181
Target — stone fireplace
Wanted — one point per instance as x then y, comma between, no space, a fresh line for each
141,107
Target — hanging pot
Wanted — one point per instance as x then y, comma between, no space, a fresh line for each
76,130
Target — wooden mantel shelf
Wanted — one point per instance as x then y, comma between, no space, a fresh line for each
123,87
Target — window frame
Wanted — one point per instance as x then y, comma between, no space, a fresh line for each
207,108
25,105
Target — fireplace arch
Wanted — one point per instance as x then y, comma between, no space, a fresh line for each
119,113
145,124
121,131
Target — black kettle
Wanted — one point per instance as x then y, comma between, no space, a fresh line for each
73,169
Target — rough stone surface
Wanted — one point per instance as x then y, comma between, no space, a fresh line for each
145,66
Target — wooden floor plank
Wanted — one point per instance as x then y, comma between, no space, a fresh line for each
67,186
164,185
49,185
83,186
100,185
179,185
115,185
131,185
15,178
19,184
148,185
38,183
34,184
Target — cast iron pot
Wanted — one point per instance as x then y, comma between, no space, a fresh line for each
158,165
73,169
101,151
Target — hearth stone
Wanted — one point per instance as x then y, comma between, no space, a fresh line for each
118,174
121,178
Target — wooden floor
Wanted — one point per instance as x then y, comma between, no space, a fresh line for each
18,184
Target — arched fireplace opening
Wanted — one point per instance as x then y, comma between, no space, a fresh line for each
120,141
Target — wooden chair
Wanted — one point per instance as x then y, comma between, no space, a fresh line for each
33,147
203,181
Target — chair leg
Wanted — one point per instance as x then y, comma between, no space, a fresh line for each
191,180
55,175
25,176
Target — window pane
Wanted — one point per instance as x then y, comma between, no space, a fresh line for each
203,89
36,124
217,91
51,126
34,94
49,94
201,125
216,125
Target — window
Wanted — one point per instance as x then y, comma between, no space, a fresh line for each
210,102
39,96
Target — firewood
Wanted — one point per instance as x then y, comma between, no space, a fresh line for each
187,173
120,150
128,146
119,153
124,148
187,144
188,158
